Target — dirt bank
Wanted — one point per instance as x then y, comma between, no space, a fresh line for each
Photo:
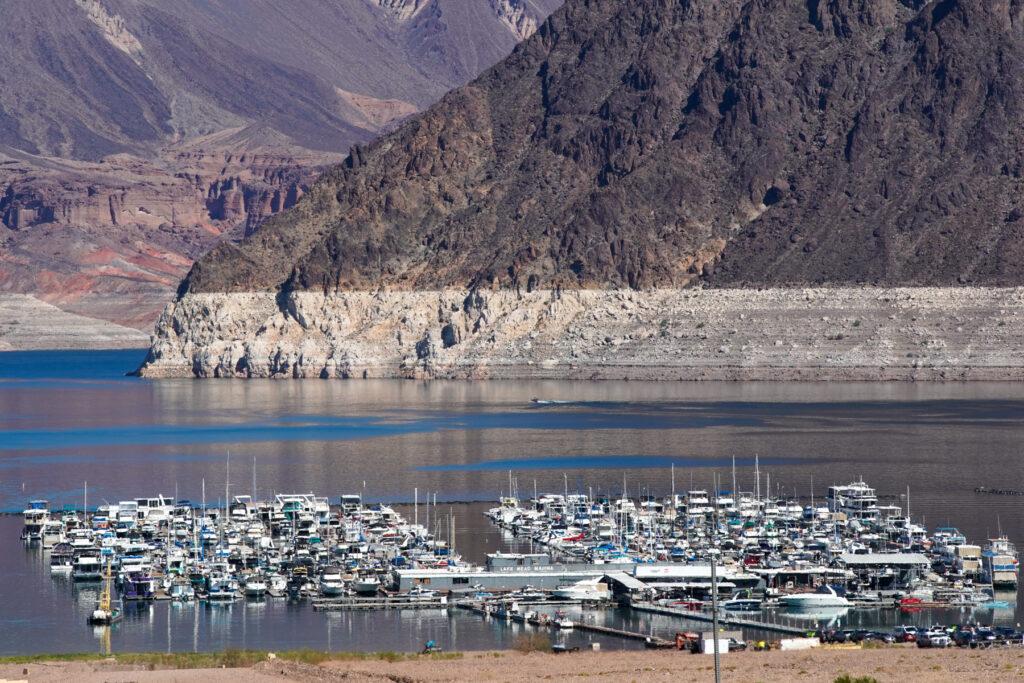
903,664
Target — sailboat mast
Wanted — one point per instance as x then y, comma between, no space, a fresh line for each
673,485
735,499
757,479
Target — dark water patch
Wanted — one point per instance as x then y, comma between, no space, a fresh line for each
328,428
620,462
68,366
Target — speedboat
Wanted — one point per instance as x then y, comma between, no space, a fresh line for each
588,590
528,593
742,601
824,597
421,594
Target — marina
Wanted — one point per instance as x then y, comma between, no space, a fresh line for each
457,442
762,564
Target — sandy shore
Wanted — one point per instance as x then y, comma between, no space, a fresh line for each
903,664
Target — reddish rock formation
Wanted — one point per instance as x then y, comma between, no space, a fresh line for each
136,134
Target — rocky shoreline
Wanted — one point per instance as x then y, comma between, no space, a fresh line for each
851,333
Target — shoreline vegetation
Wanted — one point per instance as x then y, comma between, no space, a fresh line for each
835,664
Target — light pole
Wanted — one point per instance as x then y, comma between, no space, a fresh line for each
714,582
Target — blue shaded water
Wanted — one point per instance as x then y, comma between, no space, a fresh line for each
67,418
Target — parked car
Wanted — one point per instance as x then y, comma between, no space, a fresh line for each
905,634
736,645
879,637
934,639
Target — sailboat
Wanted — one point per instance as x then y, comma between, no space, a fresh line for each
106,612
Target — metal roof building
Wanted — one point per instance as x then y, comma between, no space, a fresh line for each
884,560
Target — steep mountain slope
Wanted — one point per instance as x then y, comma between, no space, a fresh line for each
89,78
136,134
654,142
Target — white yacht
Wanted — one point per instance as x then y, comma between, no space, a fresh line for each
35,517
824,597
856,500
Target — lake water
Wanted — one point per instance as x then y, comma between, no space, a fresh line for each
67,418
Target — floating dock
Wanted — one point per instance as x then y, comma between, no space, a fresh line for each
651,640
723,618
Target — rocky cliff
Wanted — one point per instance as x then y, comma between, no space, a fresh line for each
135,135
652,145
112,239
664,334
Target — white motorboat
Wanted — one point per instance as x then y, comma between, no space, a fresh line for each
366,585
181,590
331,583
742,601
590,590
278,583
824,597
421,594
53,532
223,588
255,586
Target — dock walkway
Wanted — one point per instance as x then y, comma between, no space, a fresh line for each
652,641
440,602
723,618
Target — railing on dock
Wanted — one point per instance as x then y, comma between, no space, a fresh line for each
724,617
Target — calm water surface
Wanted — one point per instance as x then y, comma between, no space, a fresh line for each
67,418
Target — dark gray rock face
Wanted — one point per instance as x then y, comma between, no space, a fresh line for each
653,143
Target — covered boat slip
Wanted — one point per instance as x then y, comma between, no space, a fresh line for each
622,577
885,571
